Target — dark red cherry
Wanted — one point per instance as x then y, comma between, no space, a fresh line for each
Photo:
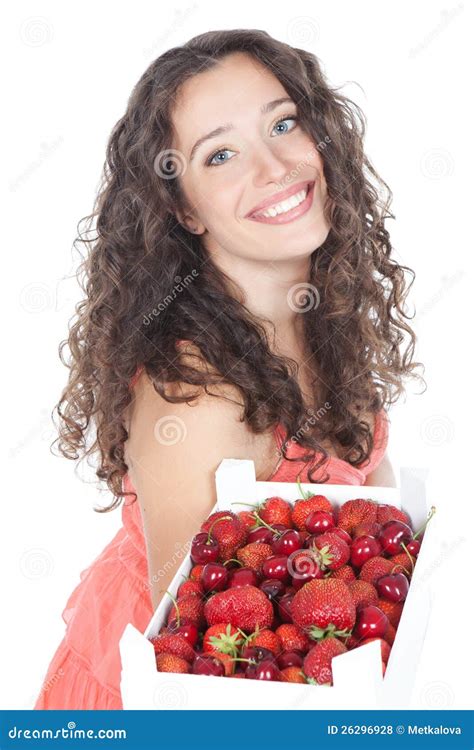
288,542
242,577
319,521
393,534
189,632
273,588
260,534
284,610
214,577
393,587
204,548
275,567
414,547
363,548
371,622
342,534
206,664
290,659
264,670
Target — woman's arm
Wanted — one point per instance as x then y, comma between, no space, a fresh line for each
383,475
173,452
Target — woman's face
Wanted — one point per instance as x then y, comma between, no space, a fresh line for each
260,155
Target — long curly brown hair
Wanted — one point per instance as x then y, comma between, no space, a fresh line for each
139,254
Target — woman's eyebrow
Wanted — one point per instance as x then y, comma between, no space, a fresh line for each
264,109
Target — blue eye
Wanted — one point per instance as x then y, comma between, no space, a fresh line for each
210,161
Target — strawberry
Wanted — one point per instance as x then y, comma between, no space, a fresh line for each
354,512
171,663
228,662
195,574
302,508
334,553
317,662
254,554
403,563
223,638
393,610
191,609
265,638
363,593
387,513
275,510
367,528
375,568
345,573
190,587
229,532
248,518
390,634
173,644
293,638
243,607
324,606
292,674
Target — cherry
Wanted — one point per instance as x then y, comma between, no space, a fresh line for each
304,567
363,548
371,623
342,534
284,610
279,528
264,670
392,535
414,547
242,577
204,548
290,659
276,567
393,587
273,588
261,534
256,653
189,632
206,664
288,542
214,577
319,521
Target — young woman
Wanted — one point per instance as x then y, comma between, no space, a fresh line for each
241,301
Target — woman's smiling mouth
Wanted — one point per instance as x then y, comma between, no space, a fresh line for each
286,210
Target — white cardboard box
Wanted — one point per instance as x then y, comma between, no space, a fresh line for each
357,674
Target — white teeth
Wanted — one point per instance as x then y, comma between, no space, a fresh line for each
287,205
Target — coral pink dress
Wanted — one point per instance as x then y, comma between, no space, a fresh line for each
113,591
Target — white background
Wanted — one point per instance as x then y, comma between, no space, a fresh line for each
68,72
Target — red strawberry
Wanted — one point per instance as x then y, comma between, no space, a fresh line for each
363,593
228,662
248,518
393,610
317,662
276,510
265,638
191,609
171,663
354,512
244,607
222,637
334,553
324,606
190,587
173,644
292,674
387,513
390,634
345,573
403,563
195,574
229,532
302,508
367,528
293,638
254,554
375,568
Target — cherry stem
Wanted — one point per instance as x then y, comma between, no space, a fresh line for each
232,559
222,518
403,545
430,516
178,621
